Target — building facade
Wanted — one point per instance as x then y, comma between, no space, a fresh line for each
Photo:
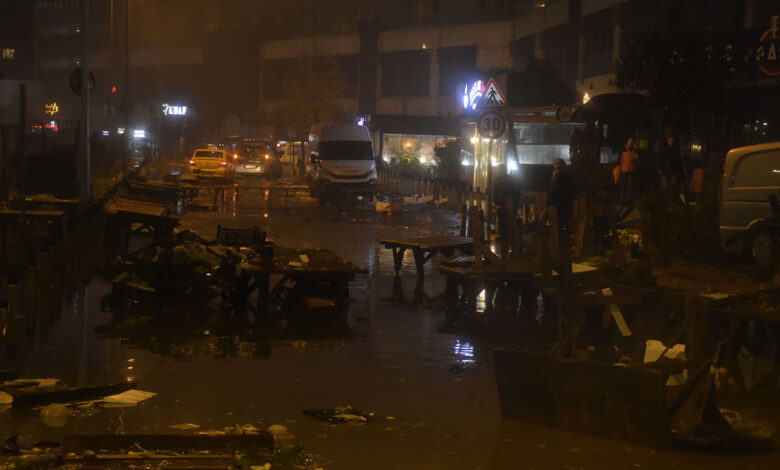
404,63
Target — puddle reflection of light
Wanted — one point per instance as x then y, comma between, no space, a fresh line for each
464,349
481,304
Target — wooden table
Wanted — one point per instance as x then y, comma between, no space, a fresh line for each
425,248
323,268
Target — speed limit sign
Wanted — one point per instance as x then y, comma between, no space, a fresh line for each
491,124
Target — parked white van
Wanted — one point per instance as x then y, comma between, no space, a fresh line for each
749,211
342,159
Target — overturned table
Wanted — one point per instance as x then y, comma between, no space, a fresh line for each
426,247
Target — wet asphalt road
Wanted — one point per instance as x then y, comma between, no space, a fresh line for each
396,363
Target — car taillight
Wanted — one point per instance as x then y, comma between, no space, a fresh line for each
192,162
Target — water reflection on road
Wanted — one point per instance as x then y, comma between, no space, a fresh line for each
433,393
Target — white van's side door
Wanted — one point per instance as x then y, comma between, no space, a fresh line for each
747,186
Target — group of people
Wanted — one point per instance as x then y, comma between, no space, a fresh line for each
669,170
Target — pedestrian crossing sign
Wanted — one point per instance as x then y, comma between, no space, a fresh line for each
492,95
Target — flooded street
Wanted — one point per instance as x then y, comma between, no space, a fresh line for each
431,388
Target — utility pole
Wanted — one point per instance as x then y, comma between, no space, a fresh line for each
86,189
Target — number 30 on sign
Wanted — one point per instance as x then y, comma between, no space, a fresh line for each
491,124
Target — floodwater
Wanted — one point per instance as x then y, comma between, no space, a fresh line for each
397,362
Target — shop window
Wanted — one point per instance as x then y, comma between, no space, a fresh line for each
554,46
598,52
522,51
456,66
343,69
275,75
405,73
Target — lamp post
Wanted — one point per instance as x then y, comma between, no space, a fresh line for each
86,189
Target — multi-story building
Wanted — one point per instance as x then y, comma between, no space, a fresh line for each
410,61
405,63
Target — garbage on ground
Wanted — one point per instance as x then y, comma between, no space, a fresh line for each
128,398
280,432
185,426
54,415
234,430
653,351
341,414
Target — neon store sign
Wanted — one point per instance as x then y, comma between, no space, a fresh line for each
169,110
473,95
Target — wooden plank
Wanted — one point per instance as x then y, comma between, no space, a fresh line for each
169,442
70,395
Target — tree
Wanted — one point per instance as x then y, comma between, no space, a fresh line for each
312,98
684,73
449,156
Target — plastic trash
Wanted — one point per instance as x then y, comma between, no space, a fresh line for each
130,397
279,431
341,414
54,415
185,426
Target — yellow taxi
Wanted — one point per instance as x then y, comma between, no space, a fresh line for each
211,163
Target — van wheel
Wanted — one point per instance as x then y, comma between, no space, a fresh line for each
763,248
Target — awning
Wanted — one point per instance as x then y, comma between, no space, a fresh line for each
416,125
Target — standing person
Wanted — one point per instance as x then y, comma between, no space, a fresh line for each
627,166
561,194
670,168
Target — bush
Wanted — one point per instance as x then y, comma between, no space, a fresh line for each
407,164
673,229
449,157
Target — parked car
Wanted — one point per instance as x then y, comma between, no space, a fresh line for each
258,159
342,159
749,209
212,163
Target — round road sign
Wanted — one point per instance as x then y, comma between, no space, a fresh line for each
491,124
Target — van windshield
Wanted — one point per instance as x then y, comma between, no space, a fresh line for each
346,150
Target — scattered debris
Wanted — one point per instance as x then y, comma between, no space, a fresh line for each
185,426
54,415
33,392
341,414
130,397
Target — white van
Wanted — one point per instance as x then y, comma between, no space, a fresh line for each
342,159
749,211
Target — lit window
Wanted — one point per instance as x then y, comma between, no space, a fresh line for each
8,54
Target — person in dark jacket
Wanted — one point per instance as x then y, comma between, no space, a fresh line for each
561,193
670,168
